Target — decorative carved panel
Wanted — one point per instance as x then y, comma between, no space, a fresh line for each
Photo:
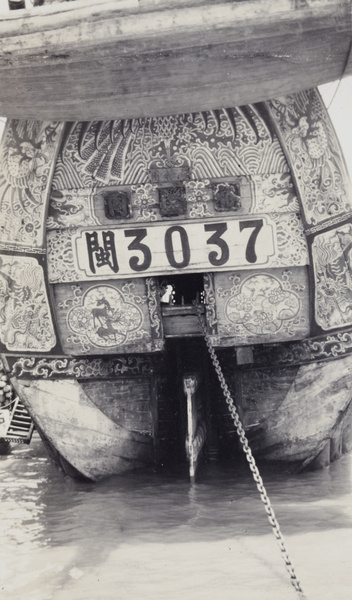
223,143
28,153
314,153
227,196
25,319
116,204
172,201
263,193
109,317
325,195
262,306
332,268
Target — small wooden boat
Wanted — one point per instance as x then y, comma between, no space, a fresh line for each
101,59
111,230
16,425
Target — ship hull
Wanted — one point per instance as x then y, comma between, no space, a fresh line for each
111,60
298,417
113,231
78,432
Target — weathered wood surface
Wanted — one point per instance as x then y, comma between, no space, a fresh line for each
292,421
80,431
125,401
180,321
100,60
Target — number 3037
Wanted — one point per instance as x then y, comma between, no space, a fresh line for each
177,245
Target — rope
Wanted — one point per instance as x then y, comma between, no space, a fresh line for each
347,60
342,75
8,405
252,464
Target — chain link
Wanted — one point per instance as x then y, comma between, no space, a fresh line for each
252,464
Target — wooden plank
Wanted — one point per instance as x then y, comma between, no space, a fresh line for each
181,326
127,402
260,393
75,61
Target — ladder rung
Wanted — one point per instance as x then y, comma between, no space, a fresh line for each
21,419
21,426
18,432
17,427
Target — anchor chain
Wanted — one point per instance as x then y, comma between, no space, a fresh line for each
250,458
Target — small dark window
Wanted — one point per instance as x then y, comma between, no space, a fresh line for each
16,4
182,289
172,201
116,204
227,196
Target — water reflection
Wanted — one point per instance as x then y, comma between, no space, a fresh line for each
150,536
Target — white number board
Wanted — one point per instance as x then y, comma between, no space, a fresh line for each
153,249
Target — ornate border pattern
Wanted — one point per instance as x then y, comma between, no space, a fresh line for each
322,348
80,368
210,307
156,323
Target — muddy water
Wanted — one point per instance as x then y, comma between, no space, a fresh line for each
152,537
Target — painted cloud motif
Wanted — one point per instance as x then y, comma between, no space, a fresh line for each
262,305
